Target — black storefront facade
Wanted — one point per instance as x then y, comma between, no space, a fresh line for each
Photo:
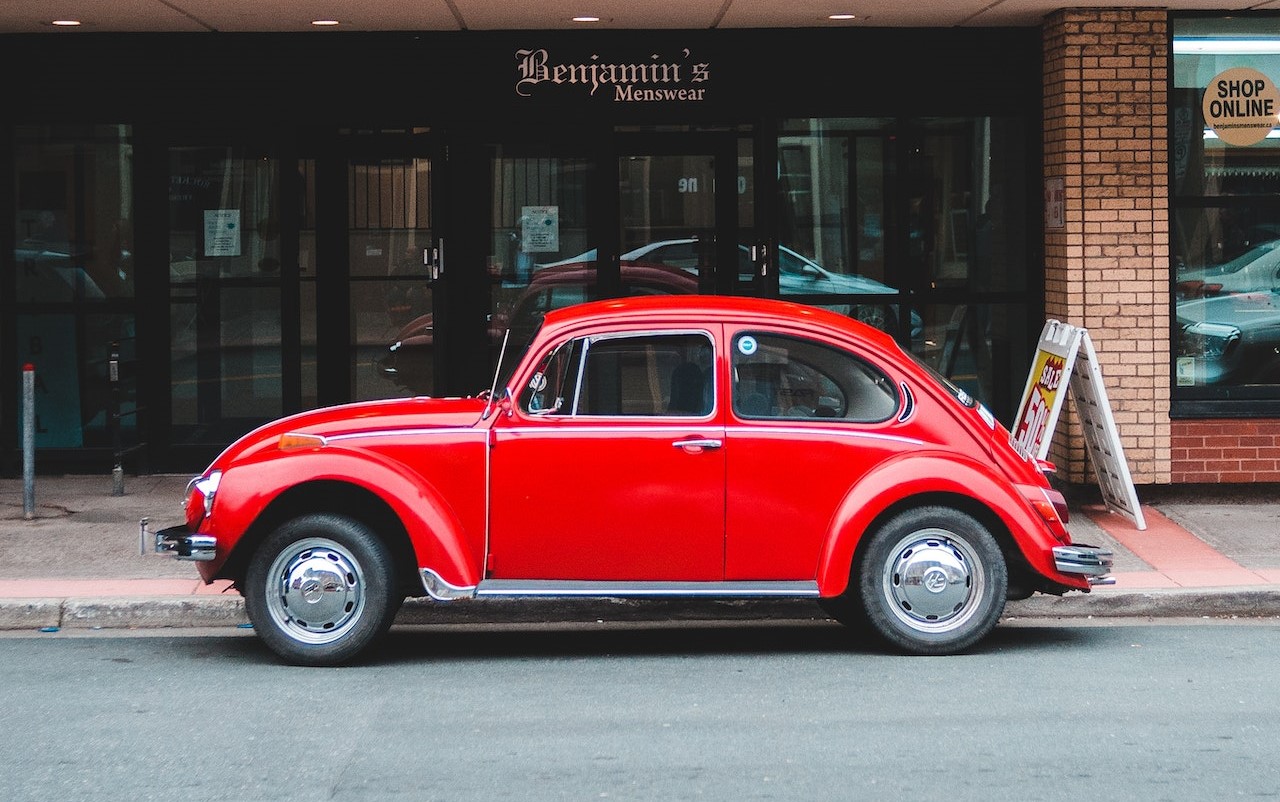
263,224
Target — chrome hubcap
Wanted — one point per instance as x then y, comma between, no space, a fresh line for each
316,592
932,581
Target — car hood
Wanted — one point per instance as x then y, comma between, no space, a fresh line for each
360,418
850,284
1256,270
1243,310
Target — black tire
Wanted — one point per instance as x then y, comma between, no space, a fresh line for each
320,589
933,581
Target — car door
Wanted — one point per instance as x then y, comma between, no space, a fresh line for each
611,466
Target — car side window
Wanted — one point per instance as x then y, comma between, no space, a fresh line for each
789,377
551,390
648,374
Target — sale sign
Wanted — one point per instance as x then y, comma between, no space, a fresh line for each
1043,397
1032,426
1056,365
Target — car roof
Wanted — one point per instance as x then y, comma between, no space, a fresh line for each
707,309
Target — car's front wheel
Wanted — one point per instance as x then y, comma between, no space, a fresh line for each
320,589
933,581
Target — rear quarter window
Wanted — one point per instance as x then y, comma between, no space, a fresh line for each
783,377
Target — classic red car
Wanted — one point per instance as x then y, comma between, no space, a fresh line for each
644,447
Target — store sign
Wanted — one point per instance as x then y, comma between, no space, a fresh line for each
1065,357
660,79
1241,106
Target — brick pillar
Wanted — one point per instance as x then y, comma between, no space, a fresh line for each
1106,136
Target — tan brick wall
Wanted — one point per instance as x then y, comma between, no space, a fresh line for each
1105,135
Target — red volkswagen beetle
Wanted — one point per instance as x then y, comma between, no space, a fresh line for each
645,447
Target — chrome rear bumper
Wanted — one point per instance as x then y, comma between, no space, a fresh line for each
1091,561
176,540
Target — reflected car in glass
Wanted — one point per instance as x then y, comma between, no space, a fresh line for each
658,447
797,275
1228,319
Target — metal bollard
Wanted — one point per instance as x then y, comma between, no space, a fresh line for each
28,441
113,375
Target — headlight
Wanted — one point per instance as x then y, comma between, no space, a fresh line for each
1208,340
201,490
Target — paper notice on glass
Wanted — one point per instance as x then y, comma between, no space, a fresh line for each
540,229
221,232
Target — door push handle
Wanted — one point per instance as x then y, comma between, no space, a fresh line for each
695,446
760,256
433,258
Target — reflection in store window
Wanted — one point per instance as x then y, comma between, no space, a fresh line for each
226,352
1226,217
872,209
74,281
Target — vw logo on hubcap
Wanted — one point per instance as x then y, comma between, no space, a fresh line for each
935,580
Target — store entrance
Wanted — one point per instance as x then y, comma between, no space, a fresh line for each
644,214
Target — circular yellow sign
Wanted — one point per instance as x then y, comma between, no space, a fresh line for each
1241,106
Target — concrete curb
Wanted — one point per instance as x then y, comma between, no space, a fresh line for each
219,611
30,613
122,613
1246,602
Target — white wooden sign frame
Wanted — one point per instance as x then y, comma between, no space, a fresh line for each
1065,355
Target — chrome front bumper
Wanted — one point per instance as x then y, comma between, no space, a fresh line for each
1091,561
176,540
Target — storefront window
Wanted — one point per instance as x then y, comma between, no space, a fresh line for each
225,292
832,176
73,280
1225,250
541,253
918,226
389,224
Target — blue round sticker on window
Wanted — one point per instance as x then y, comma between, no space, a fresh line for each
747,346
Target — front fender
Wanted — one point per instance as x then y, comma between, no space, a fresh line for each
904,482
437,536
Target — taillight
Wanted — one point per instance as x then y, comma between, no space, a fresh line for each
1059,503
1052,507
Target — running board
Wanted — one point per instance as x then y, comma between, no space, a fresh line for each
640,590
560,588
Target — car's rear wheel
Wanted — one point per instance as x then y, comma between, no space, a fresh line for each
933,581
320,589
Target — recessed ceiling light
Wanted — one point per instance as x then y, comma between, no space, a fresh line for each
325,23
586,18
842,16
65,23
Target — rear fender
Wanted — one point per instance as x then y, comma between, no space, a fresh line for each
926,479
255,495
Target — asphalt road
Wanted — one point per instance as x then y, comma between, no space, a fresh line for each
1044,710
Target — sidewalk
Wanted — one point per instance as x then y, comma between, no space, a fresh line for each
76,564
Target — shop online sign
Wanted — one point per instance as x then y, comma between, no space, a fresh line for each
1241,106
660,78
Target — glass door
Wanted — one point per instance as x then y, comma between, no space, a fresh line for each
541,251
680,200
633,214
394,261
229,257
835,181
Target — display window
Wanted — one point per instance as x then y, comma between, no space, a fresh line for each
1225,219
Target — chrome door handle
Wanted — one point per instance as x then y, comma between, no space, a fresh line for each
699,444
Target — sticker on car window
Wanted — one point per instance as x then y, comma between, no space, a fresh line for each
747,346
